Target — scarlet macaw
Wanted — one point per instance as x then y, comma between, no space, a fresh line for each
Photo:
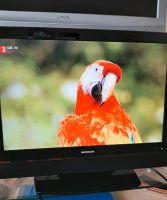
99,118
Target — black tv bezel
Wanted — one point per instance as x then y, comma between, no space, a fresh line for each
138,155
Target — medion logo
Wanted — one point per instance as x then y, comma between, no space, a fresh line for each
88,152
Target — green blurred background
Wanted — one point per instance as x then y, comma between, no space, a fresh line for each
38,83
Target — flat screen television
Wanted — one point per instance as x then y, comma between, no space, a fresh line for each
81,101
87,14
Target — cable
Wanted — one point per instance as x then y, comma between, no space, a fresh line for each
158,189
161,175
39,196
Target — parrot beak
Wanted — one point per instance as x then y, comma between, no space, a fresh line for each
108,84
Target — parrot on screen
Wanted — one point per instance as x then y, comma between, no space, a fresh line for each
99,118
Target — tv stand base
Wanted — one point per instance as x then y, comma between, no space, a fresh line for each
69,184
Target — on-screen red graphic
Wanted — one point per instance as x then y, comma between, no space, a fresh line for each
3,50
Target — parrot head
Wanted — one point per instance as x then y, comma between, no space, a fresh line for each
99,79
97,82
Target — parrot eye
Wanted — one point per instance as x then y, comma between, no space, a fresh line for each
96,69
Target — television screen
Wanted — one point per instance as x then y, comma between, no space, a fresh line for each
79,100
65,93
114,7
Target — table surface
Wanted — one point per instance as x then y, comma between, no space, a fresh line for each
23,188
